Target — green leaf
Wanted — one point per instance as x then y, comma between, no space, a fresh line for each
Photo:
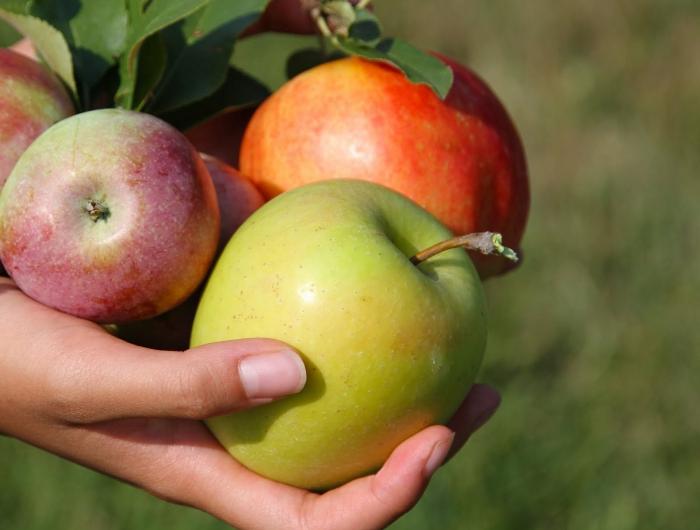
47,40
418,66
366,27
266,56
95,32
201,64
238,90
153,58
305,59
147,17
8,35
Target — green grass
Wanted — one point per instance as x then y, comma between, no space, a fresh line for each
594,341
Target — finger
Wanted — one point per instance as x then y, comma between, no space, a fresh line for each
481,403
105,378
227,490
377,500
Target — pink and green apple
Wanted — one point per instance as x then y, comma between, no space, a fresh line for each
31,100
110,215
238,199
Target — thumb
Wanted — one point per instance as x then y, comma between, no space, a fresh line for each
118,380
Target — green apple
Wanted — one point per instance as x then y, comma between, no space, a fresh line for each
390,347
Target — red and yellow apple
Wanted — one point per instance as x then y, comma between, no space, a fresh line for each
461,158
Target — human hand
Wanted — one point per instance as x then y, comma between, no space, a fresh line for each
71,388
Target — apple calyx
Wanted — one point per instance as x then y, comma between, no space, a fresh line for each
97,210
334,17
488,243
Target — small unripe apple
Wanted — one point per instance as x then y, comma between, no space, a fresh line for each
461,158
110,215
31,100
390,345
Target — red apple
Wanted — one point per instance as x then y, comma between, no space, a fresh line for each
287,16
221,135
31,100
169,331
110,215
238,198
461,158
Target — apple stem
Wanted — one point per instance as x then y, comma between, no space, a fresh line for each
489,243
96,210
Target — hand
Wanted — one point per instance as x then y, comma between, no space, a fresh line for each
71,388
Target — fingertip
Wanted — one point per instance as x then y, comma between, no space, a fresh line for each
418,457
438,455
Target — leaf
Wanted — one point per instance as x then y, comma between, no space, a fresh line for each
48,42
303,60
238,90
265,56
8,35
418,66
147,17
95,32
153,58
201,65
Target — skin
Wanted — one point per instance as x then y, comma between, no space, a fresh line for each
31,100
70,388
461,159
151,251
390,348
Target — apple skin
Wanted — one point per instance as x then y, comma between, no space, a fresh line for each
24,47
31,100
238,198
389,347
461,158
221,135
147,255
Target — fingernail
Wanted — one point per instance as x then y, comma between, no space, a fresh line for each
438,455
273,374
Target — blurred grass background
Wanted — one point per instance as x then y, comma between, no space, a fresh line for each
595,340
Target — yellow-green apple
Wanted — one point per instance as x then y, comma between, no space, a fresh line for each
461,158
109,215
237,199
390,347
31,100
